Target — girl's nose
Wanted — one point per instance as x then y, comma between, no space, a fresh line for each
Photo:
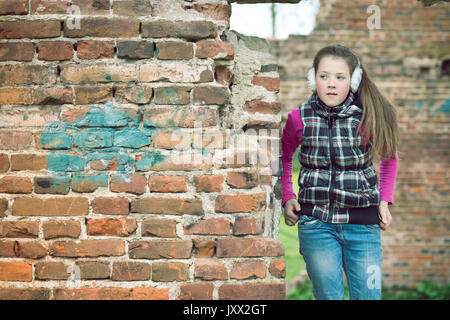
331,82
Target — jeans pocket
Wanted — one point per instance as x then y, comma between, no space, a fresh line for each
372,228
308,222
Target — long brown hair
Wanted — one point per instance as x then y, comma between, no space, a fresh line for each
379,113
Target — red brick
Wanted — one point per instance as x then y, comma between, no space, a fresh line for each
88,248
55,50
243,179
211,95
3,207
246,226
70,206
101,72
172,95
11,95
157,249
240,203
4,162
132,8
27,74
95,49
51,270
15,271
19,229
209,183
214,50
13,7
253,291
210,270
93,269
25,293
61,228
29,29
22,249
132,184
223,75
277,268
91,294
249,247
204,248
111,227
104,28
170,271
15,140
259,106
271,84
52,96
169,206
196,291
167,183
212,226
211,10
111,205
150,294
92,94
248,270
174,50
164,228
191,30
131,271
12,184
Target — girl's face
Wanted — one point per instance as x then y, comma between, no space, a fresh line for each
333,80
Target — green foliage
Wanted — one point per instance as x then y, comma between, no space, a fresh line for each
427,290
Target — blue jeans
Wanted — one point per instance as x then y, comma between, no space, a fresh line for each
328,248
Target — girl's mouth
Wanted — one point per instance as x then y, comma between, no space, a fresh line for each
331,94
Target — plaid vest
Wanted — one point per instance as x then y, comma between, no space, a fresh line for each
336,169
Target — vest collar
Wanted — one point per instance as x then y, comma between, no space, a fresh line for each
350,107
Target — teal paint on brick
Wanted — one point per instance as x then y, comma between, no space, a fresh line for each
148,160
445,107
89,183
56,140
94,139
65,162
119,161
106,116
131,138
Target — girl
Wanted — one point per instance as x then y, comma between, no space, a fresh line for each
340,208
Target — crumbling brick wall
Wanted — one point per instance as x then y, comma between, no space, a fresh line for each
408,58
138,153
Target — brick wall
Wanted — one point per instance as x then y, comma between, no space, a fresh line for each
138,153
408,58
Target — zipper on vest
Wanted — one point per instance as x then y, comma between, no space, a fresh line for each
330,141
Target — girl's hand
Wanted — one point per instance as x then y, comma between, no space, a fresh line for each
384,214
290,218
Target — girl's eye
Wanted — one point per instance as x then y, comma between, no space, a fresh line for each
322,76
341,78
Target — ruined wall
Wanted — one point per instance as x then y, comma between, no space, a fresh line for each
408,58
138,153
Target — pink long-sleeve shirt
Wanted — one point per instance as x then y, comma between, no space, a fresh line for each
292,138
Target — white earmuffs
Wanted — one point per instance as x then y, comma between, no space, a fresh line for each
354,83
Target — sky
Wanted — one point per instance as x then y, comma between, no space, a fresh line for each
255,19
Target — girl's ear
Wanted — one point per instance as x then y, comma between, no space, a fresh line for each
312,79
